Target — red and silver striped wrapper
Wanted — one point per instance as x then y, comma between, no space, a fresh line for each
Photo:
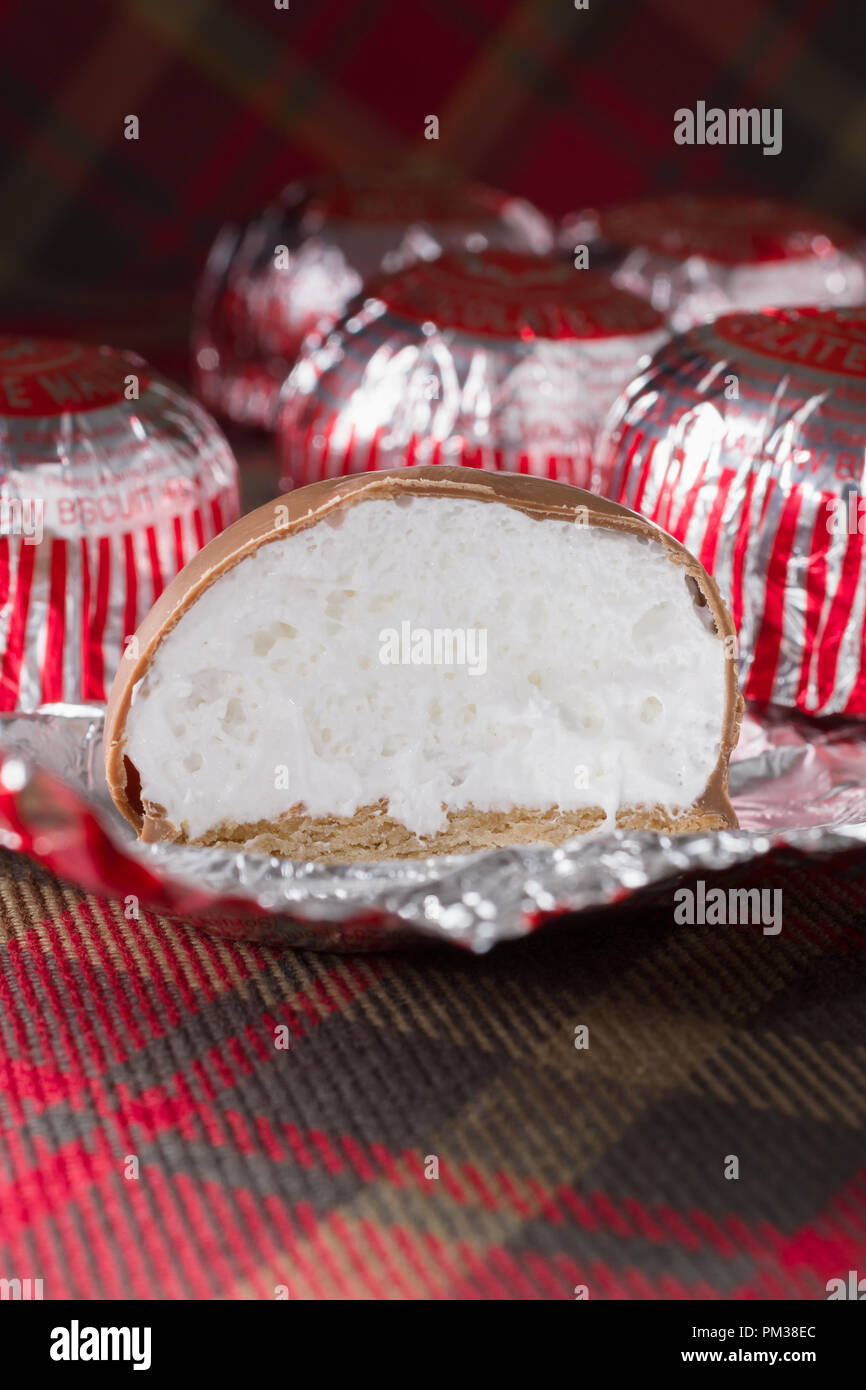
498,360
110,479
746,439
697,256
297,265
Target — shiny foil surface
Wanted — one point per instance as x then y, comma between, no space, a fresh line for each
796,783
294,268
111,478
499,360
695,256
746,439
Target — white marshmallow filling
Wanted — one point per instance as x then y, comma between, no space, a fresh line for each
433,654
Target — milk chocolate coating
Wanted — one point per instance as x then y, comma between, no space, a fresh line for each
295,511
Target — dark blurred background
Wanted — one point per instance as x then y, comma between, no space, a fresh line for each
570,107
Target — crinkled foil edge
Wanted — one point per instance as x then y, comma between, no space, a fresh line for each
54,806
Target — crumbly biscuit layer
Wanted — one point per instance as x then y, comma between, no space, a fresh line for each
372,834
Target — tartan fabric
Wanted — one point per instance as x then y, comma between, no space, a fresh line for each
305,1167
569,107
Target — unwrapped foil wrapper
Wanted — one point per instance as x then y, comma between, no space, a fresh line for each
500,360
111,478
746,439
295,266
695,256
797,785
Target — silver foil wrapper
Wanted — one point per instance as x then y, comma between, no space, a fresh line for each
695,256
798,785
295,267
110,479
746,439
498,360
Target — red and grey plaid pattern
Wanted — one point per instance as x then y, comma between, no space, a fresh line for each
569,107
155,1143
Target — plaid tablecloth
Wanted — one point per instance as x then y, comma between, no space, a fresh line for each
156,1143
234,97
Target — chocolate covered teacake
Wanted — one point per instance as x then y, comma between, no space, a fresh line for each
495,360
697,255
296,265
425,661
746,439
111,478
